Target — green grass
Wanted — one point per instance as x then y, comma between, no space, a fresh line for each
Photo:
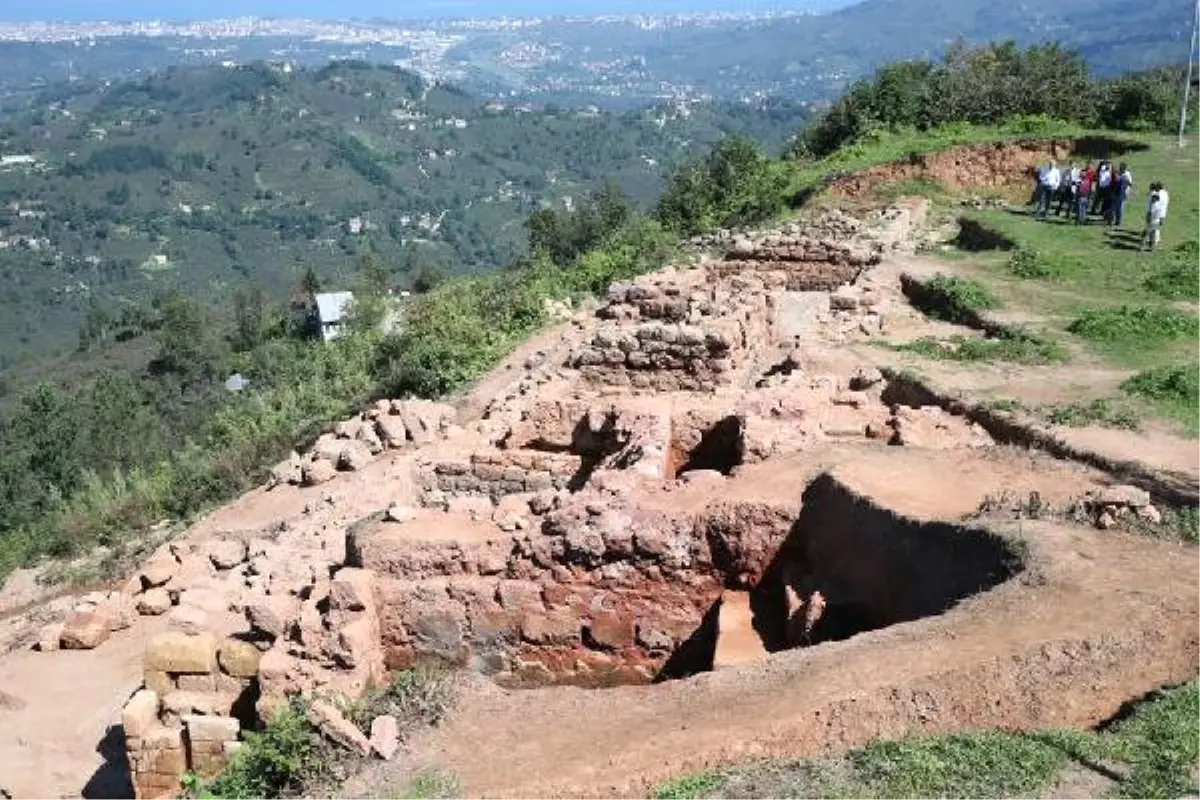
1020,347
1101,411
1152,753
1130,331
957,299
1173,390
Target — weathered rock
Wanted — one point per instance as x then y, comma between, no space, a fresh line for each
120,611
318,471
85,630
397,513
273,615
49,637
154,602
1124,495
238,659
286,471
392,431
354,456
335,727
385,736
352,589
227,553
175,651
158,571
211,728
140,714
188,619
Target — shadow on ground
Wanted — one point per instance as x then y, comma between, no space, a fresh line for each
111,779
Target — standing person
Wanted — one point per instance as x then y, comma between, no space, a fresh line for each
1121,193
1102,188
1083,194
1156,215
1048,181
1066,190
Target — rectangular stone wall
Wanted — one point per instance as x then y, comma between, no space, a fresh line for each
183,719
497,474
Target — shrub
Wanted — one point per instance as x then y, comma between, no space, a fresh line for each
1178,384
1026,262
1019,347
287,755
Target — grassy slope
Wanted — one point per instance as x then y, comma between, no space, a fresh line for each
1129,308
1151,753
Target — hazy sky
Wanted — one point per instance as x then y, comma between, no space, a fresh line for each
393,9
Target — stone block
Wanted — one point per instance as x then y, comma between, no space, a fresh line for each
158,571
140,713
185,703
197,683
157,681
175,651
154,602
238,659
49,637
385,736
85,630
187,619
335,727
210,728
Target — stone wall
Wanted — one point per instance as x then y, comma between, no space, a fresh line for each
494,474
186,718
663,338
795,262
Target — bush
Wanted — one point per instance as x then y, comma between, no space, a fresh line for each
737,184
1175,384
1026,262
286,756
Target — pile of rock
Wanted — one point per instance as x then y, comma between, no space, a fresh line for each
933,428
356,442
1114,504
494,474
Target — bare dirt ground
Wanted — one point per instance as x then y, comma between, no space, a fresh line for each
1093,619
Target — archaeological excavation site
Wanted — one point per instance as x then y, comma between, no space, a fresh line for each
703,519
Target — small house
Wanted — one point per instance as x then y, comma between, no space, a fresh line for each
331,313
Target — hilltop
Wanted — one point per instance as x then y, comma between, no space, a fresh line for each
208,179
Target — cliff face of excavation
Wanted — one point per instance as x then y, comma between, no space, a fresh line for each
642,498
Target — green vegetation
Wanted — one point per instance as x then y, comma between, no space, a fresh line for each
1174,391
991,86
1178,278
431,785
958,299
1133,330
1100,411
1019,347
1152,753
290,758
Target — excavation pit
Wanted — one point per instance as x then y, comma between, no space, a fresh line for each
597,595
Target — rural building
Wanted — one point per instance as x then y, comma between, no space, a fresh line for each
331,313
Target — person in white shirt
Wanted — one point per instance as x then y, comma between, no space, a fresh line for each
1100,195
1049,180
1156,215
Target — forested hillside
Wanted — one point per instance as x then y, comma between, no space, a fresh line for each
211,179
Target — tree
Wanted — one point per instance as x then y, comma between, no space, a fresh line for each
249,318
374,274
186,345
121,430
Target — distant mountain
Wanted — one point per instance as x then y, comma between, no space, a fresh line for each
209,178
620,62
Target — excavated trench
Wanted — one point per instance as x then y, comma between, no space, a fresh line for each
871,567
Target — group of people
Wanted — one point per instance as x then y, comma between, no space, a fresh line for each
1098,190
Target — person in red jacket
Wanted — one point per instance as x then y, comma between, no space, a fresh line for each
1083,196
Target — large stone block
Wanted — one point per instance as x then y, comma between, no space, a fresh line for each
85,630
238,659
175,651
140,714
211,728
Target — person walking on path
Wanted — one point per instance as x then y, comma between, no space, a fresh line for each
1156,215
1121,193
1066,190
1049,179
